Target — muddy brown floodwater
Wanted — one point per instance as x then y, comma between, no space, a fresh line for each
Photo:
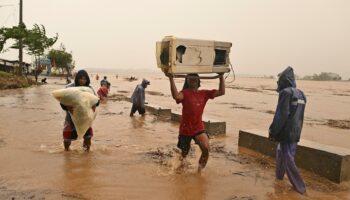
137,158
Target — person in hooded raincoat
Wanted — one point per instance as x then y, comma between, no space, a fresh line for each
69,131
286,128
138,98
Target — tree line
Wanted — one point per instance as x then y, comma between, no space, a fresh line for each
324,76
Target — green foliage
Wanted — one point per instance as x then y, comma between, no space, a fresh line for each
34,40
61,59
5,74
16,32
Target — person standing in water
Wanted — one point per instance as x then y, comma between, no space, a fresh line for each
105,82
69,131
138,98
286,128
103,92
193,102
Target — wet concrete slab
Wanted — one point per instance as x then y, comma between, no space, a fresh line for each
327,161
176,116
158,110
215,127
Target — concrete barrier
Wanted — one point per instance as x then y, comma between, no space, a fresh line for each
328,161
215,127
176,116
158,110
212,126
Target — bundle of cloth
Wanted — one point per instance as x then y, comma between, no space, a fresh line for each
82,99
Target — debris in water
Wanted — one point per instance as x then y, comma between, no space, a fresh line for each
343,124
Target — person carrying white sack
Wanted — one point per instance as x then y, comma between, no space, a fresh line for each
69,130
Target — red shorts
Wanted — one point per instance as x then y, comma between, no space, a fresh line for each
69,132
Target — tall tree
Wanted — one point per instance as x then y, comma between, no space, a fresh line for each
36,43
62,59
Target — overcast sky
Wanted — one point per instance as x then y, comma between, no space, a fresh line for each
312,36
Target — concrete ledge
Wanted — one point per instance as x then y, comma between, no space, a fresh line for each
158,110
212,126
215,127
328,161
176,116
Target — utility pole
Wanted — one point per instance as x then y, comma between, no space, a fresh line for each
20,53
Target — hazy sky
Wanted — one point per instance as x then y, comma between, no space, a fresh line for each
267,35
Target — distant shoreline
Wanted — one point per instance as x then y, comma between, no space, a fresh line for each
145,71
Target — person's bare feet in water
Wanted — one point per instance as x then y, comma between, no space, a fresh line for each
66,144
184,165
200,169
87,144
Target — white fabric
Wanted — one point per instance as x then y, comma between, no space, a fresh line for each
82,99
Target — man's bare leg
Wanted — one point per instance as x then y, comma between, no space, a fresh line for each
203,142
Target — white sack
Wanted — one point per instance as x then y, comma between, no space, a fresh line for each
82,99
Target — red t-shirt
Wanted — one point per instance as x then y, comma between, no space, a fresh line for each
102,92
193,105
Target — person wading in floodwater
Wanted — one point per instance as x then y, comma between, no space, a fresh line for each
193,102
69,131
286,128
138,98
